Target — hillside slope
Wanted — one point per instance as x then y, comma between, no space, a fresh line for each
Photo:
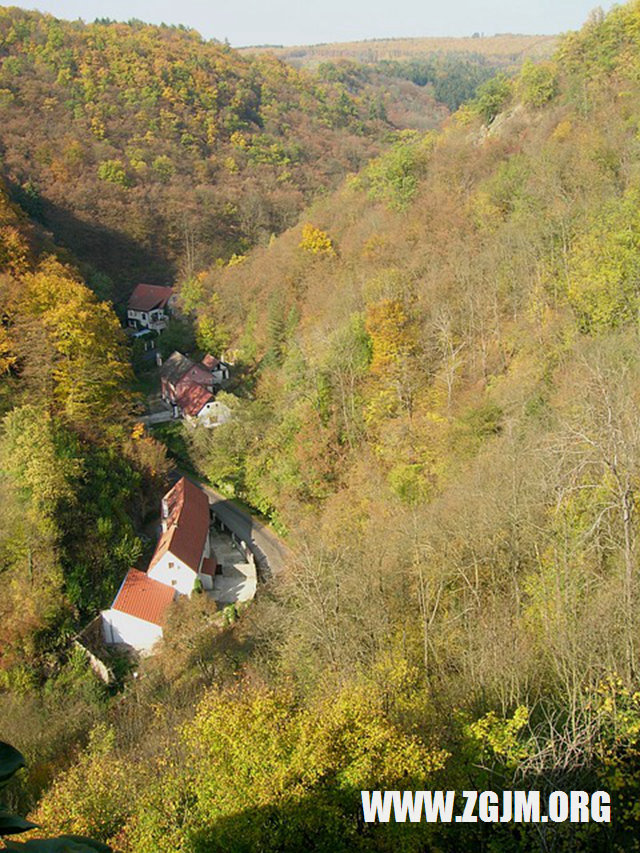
440,404
75,484
147,150
442,378
399,75
505,49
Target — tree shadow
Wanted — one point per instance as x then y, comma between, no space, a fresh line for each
332,822
112,251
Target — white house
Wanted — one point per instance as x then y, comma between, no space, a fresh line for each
149,307
137,613
183,554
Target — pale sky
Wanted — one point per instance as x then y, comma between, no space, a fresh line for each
287,22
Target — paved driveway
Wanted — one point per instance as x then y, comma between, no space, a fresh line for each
271,553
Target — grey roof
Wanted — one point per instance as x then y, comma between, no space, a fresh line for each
175,367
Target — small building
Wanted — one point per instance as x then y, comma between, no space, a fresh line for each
198,406
220,370
183,548
137,613
194,400
149,307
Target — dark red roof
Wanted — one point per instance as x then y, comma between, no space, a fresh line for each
193,399
198,375
143,597
187,524
210,362
209,566
146,297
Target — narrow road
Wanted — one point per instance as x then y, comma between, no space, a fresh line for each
271,553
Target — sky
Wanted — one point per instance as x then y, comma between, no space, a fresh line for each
289,22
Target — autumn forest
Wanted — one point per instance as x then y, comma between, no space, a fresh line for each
423,266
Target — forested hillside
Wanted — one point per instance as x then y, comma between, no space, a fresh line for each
438,376
504,49
76,480
442,368
401,75
150,151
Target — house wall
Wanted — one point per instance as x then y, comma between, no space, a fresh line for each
207,581
214,414
139,316
144,318
168,391
179,576
118,627
219,375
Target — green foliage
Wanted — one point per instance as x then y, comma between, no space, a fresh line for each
276,332
537,83
93,797
114,172
501,738
163,167
455,78
444,417
212,336
38,462
64,844
491,98
267,774
394,177
179,335
604,267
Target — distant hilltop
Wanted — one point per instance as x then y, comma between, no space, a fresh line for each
503,48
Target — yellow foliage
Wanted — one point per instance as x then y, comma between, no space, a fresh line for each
7,358
93,797
238,140
562,131
315,241
388,328
14,251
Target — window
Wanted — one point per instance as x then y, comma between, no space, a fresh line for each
173,582
172,565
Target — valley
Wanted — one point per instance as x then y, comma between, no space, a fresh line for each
391,337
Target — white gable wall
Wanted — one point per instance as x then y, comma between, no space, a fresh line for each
119,627
171,571
214,413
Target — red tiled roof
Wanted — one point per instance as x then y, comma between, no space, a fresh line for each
143,597
210,362
187,523
209,566
193,399
198,375
146,297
